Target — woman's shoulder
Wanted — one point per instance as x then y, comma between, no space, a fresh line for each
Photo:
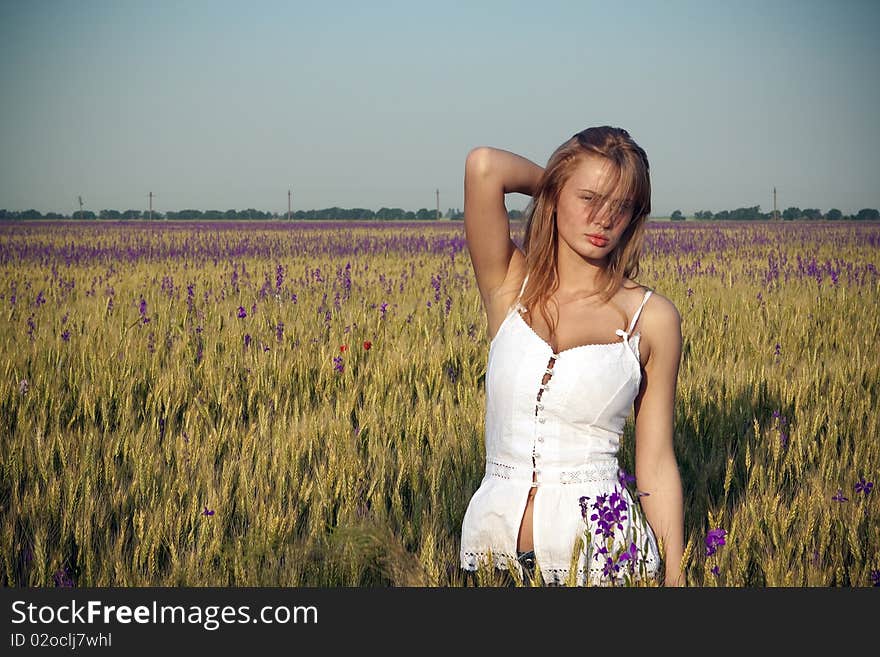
659,309
659,323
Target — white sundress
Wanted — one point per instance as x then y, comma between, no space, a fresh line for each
569,439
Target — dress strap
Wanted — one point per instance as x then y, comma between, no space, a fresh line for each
523,288
517,304
636,316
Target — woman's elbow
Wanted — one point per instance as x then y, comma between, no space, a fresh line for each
478,161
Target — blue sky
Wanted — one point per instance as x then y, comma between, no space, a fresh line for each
218,105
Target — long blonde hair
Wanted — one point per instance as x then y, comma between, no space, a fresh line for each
629,179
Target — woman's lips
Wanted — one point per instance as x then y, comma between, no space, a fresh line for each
597,241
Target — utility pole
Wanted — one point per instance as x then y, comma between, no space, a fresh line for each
775,215
80,198
288,204
438,204
151,206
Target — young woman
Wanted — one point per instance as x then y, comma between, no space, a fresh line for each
575,343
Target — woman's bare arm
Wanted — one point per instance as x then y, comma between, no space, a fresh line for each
656,467
490,173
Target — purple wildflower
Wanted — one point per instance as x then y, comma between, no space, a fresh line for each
242,313
65,335
609,512
624,478
208,512
337,364
247,339
143,311
839,496
279,331
23,386
714,540
864,486
875,577
627,556
715,571
63,578
778,349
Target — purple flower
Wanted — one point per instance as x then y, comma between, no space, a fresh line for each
208,512
65,335
279,331
715,571
839,496
864,486
247,339
714,540
778,349
337,364
23,386
624,479
875,577
628,556
609,512
143,311
242,313
62,578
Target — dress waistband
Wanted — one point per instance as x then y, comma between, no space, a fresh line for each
605,470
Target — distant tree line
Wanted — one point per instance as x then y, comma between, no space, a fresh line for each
789,214
455,213
398,214
384,214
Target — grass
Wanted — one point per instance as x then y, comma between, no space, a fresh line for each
168,453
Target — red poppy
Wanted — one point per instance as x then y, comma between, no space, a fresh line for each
343,347
367,344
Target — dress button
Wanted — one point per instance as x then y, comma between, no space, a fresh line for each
537,456
542,420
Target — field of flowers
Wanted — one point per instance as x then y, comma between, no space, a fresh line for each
302,404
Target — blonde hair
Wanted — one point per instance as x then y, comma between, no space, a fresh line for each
629,178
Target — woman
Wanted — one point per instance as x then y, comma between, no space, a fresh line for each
559,385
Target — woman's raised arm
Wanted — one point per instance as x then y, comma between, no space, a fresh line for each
490,173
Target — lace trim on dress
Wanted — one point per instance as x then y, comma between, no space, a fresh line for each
648,567
599,471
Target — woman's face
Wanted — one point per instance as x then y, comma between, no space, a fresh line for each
585,193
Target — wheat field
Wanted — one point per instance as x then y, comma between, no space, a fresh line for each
302,404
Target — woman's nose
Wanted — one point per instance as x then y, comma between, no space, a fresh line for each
604,218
